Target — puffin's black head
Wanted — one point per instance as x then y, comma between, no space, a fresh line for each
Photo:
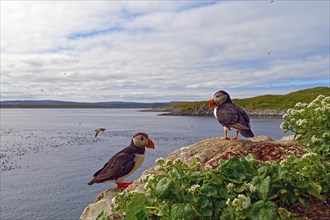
219,98
142,140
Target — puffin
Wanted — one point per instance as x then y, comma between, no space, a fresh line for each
125,162
230,116
98,131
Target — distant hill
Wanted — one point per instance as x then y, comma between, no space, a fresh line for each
282,102
259,105
66,104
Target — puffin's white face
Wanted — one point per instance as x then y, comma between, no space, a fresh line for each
141,140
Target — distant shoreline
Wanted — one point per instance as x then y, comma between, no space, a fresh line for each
268,113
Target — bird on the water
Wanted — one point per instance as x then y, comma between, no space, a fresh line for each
125,162
98,131
230,116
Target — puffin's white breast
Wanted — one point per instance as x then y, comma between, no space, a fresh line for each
215,112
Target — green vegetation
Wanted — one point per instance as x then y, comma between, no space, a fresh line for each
240,188
311,123
274,102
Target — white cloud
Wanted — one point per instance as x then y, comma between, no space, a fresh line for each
143,51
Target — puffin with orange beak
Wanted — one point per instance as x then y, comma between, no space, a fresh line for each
125,162
230,116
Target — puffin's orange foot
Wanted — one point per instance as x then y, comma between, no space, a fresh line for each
122,186
224,138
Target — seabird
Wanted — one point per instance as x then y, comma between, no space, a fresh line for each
230,116
125,162
98,131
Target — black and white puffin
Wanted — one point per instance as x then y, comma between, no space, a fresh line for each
230,116
125,162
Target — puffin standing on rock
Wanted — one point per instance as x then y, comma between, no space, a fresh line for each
230,116
125,162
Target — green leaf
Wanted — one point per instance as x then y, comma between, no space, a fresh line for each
166,187
262,210
209,191
207,212
284,213
182,211
136,206
228,214
203,202
141,215
175,173
190,198
263,188
102,216
315,190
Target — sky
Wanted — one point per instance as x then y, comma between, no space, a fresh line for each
159,51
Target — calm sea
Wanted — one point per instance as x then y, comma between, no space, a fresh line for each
47,156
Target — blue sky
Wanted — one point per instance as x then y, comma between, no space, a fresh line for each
151,51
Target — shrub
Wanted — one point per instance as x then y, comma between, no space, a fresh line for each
240,188
311,124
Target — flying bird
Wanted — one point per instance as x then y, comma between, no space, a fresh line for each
98,131
125,162
230,116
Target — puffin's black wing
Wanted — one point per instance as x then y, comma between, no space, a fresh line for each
232,116
119,165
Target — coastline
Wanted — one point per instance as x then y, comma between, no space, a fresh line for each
171,111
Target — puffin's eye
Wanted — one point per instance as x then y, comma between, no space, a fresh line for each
141,138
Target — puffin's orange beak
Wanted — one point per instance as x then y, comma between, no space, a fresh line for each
150,144
211,103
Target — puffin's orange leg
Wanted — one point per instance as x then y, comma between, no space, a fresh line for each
236,136
225,136
123,185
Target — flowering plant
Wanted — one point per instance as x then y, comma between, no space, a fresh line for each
311,123
239,188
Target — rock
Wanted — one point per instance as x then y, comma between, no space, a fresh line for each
102,203
262,138
211,152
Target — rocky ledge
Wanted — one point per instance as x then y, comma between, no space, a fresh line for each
211,152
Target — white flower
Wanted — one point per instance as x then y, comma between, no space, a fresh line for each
230,186
251,187
208,167
325,135
301,105
160,161
283,162
309,155
293,112
194,188
228,202
283,126
300,122
301,111
318,110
